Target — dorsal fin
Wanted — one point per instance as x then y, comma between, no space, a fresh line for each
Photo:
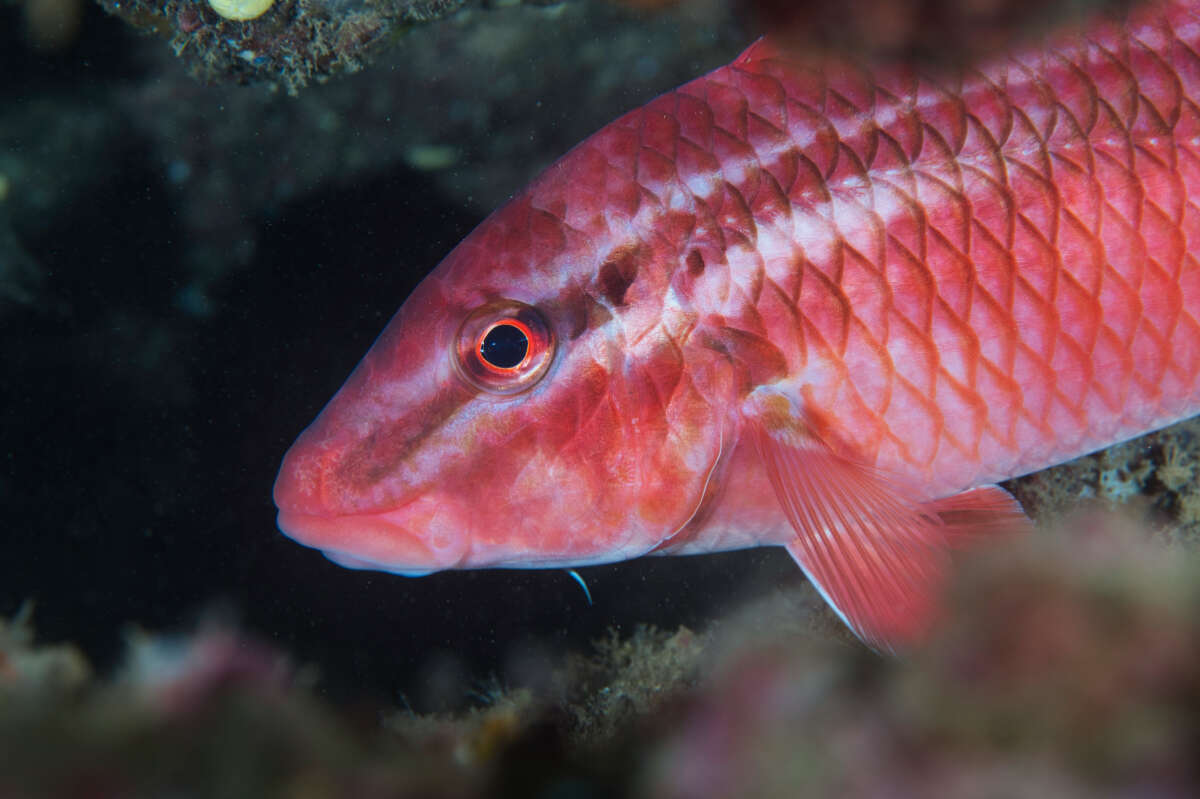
763,48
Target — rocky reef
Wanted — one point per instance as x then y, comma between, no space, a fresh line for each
188,268
1067,667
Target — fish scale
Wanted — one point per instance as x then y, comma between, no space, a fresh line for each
797,302
1057,319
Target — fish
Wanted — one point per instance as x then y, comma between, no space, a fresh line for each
801,301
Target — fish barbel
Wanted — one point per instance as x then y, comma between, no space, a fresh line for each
799,301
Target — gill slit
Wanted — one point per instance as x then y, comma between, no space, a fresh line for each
703,495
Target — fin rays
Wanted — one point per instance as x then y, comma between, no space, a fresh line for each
877,556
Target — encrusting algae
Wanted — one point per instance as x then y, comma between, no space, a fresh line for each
1151,476
1068,665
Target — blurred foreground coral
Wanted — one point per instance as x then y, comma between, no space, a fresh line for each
1067,667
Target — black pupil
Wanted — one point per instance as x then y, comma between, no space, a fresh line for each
504,346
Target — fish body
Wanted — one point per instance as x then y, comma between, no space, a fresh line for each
799,302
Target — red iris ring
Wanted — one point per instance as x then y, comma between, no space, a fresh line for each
475,368
529,342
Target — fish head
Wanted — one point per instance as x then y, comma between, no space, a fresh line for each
531,404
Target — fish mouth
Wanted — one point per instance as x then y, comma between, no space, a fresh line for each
376,541
308,499
423,533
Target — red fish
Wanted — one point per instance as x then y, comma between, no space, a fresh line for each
794,302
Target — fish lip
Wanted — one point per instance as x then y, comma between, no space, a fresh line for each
361,540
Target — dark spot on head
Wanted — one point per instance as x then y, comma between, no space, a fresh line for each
616,275
695,263
759,360
571,309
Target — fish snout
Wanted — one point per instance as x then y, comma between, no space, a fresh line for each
417,537
301,485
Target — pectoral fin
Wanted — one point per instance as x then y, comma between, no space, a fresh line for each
876,555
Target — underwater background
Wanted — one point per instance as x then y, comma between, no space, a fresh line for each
190,272
204,224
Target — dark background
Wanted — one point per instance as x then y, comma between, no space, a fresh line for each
141,427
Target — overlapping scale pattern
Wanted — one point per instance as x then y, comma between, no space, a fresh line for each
976,274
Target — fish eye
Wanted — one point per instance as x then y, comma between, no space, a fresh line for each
504,347
505,344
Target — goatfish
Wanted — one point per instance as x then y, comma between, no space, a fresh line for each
800,301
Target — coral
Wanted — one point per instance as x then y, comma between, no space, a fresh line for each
1177,466
294,42
290,43
211,714
461,101
474,738
1067,669
628,678
1150,476
28,673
